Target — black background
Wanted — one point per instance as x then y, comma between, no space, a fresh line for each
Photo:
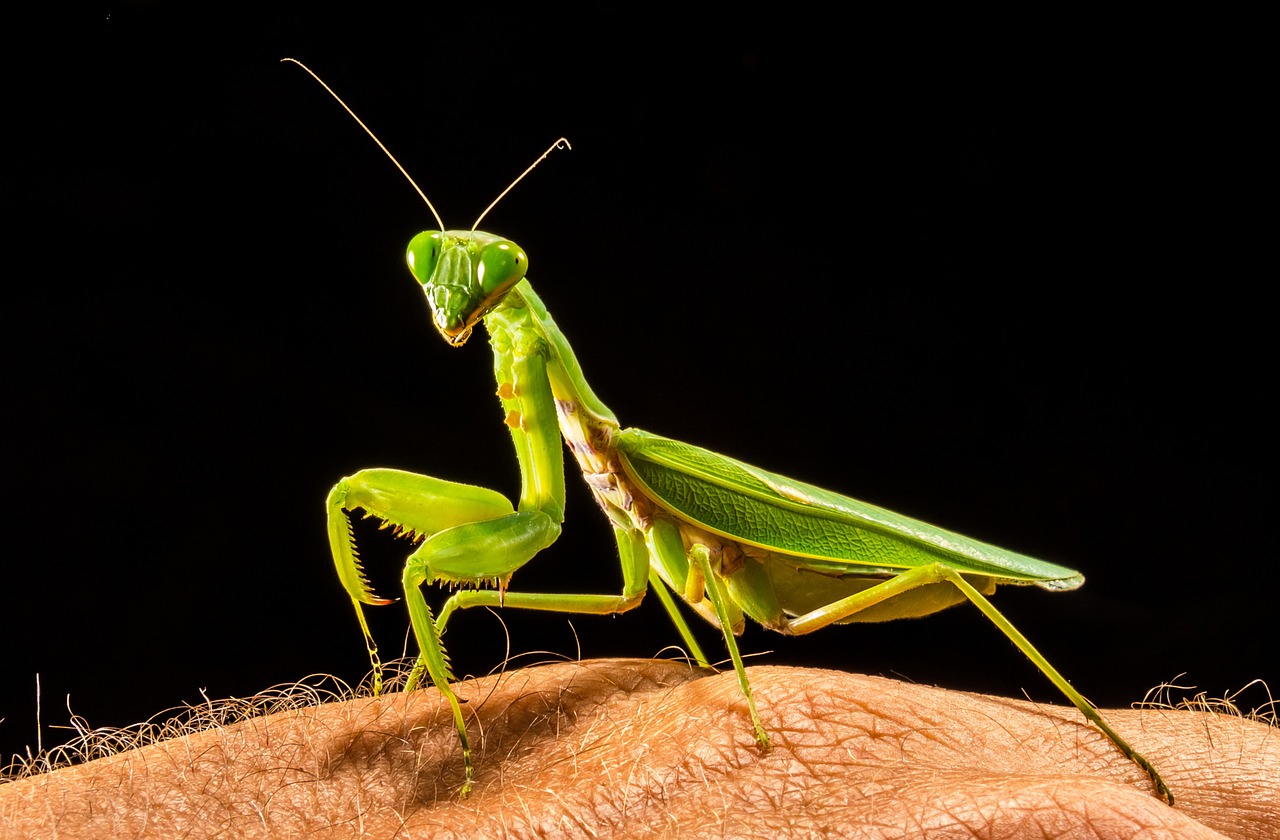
1007,284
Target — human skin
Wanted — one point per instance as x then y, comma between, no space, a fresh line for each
629,747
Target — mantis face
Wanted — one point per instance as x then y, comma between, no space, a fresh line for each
464,274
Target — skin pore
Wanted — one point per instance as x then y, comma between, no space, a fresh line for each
626,747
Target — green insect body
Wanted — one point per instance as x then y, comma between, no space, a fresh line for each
730,540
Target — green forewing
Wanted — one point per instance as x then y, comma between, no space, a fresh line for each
750,505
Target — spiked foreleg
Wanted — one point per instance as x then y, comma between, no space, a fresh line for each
410,503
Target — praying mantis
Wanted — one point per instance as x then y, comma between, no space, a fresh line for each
730,540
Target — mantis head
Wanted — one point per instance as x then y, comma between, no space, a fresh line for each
464,274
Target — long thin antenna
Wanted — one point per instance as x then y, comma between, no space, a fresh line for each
347,108
541,158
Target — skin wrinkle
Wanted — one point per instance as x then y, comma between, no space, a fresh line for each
828,743
639,746
943,730
1257,798
966,810
594,689
612,804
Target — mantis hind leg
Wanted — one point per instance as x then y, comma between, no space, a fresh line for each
1086,708
922,576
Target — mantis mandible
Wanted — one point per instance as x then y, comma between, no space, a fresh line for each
731,540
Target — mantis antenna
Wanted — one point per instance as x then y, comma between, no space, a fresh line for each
561,143
541,158
368,131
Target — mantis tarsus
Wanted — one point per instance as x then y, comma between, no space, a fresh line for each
731,540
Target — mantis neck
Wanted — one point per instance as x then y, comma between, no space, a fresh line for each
525,336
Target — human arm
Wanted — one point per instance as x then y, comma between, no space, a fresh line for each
633,746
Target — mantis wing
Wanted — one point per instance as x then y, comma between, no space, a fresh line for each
834,533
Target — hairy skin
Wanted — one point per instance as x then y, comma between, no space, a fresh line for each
631,746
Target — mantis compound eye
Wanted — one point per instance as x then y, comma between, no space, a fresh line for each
502,265
423,254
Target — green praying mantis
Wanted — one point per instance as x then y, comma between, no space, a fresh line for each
731,540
